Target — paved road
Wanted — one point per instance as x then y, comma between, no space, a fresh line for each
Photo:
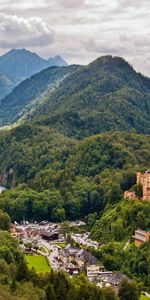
52,254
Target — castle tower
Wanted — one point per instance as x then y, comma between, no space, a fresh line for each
144,180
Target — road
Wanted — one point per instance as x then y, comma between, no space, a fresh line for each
52,254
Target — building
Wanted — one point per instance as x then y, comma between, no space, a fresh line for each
85,258
142,179
109,279
68,254
48,235
93,272
73,269
130,195
141,237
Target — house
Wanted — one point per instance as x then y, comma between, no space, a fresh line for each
92,272
116,279
68,254
85,258
73,260
141,237
48,236
73,269
112,279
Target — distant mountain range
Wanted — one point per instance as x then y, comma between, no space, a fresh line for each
20,64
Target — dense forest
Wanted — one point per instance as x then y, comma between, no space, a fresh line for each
62,178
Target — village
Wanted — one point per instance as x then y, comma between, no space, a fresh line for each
72,255
45,239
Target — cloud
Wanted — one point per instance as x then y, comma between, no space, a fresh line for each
22,4
79,30
24,32
70,3
132,3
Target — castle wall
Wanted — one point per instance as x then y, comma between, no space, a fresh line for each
144,180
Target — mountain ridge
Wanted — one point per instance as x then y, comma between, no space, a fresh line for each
19,64
105,95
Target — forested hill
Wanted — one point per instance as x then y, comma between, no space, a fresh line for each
26,95
105,95
67,178
29,149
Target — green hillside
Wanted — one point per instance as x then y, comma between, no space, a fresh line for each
120,222
106,95
116,229
25,97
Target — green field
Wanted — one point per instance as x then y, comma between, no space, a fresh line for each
144,297
38,262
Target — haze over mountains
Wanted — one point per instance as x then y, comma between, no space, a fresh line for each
20,64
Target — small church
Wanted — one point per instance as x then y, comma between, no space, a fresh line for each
142,179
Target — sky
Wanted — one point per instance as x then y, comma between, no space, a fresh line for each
79,30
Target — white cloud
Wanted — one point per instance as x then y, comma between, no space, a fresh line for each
24,32
83,29
22,4
132,3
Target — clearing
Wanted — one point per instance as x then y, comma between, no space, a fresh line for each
38,262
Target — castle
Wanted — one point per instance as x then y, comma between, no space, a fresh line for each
144,181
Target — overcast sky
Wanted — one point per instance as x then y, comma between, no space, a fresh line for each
79,30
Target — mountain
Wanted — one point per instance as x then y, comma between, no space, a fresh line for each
105,95
6,86
57,61
31,92
108,94
19,64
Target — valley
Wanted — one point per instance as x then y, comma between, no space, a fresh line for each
72,141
